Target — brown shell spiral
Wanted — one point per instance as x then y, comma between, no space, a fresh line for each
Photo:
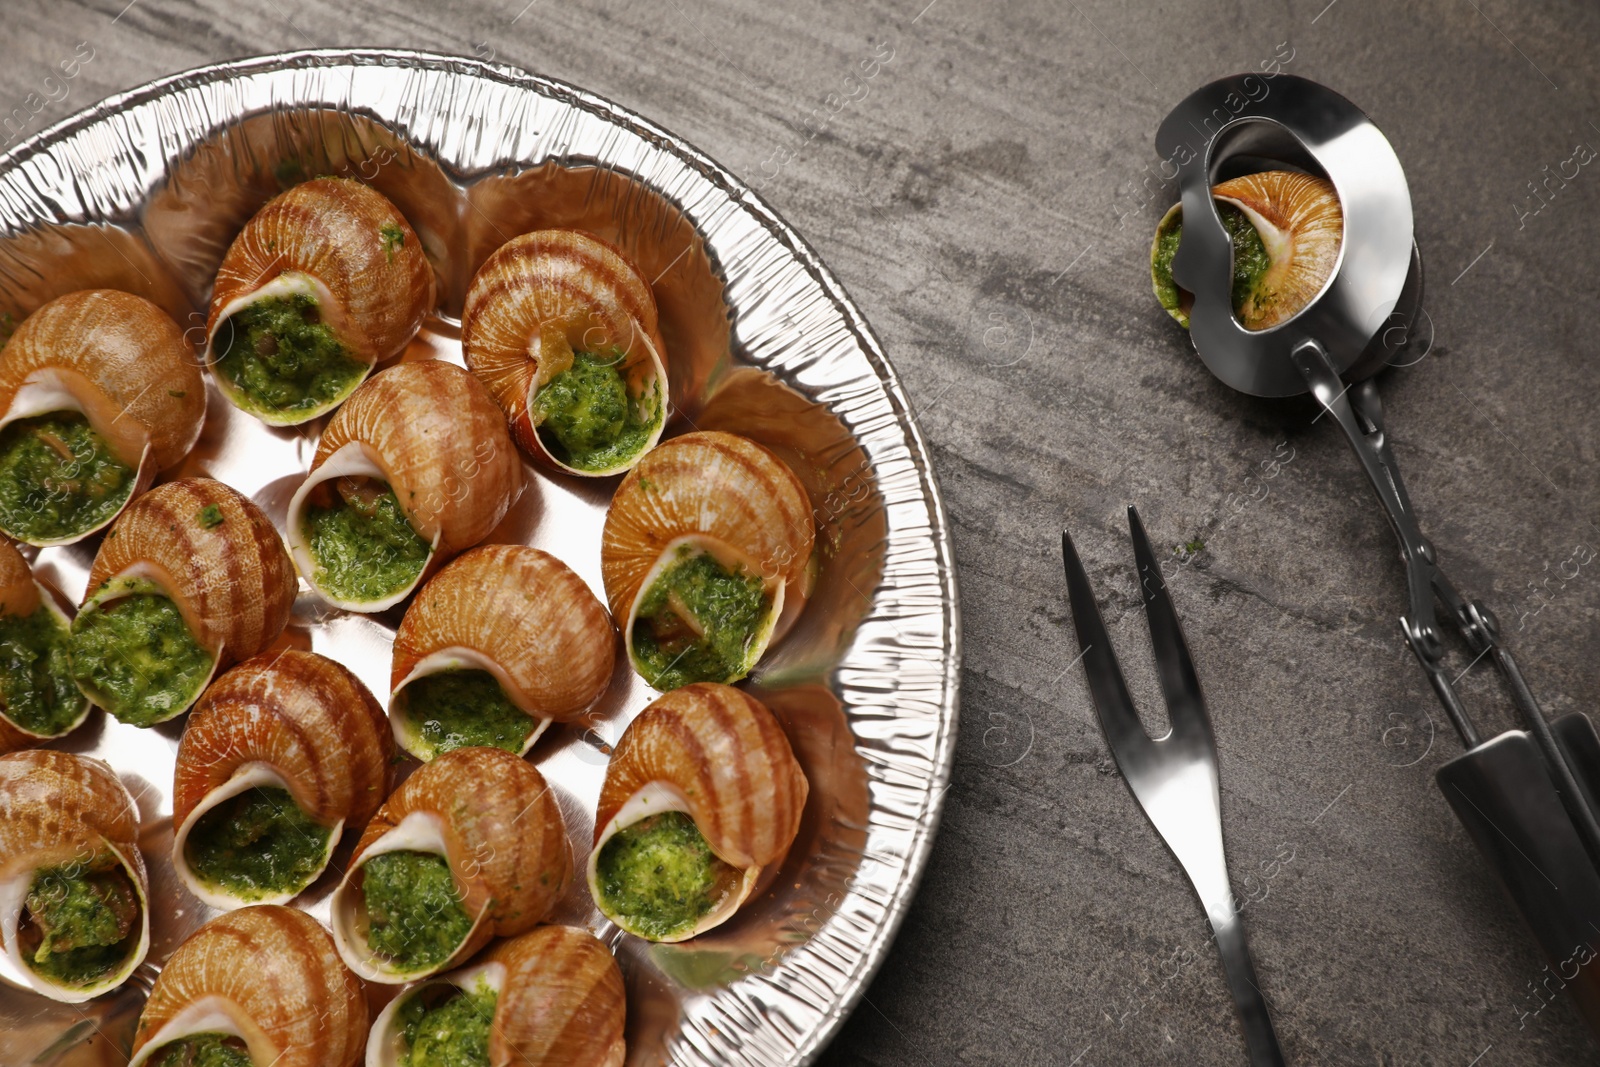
281,970
124,360
711,483
334,230
524,610
563,280
19,595
502,828
232,580
727,755
562,1003
308,717
444,449
56,805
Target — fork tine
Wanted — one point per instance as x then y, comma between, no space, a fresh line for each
1119,720
1186,705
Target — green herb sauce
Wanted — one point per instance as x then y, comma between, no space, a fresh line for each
37,692
454,709
210,517
1250,260
415,918
79,923
135,657
364,552
393,237
587,419
283,358
203,1050
728,609
58,478
257,844
660,877
450,1030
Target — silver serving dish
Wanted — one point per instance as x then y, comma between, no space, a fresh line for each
144,192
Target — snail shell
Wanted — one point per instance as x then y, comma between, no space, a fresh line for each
346,247
432,432
291,720
62,810
267,975
718,755
559,1003
1301,226
20,597
541,297
497,824
214,553
518,613
721,494
122,363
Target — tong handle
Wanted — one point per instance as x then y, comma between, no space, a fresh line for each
1260,1039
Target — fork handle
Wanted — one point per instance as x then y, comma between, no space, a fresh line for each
1260,1039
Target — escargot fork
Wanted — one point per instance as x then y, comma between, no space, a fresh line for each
1173,777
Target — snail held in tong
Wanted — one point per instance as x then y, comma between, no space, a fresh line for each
280,755
38,698
74,896
98,392
470,847
706,555
552,997
1286,229
562,328
325,281
190,579
498,644
702,797
258,986
415,467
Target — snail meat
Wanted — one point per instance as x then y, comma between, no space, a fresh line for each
38,698
98,392
702,796
1286,229
325,281
190,578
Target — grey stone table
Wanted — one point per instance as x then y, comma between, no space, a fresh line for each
987,197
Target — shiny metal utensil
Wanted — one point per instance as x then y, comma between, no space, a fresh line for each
1174,777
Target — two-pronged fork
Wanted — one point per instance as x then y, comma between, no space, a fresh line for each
1174,778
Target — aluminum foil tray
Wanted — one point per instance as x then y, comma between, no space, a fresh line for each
145,191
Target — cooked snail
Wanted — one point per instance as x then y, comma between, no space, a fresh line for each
279,756
562,329
257,986
707,545
1286,229
74,897
702,796
190,579
98,392
38,698
552,997
497,645
470,847
325,281
414,468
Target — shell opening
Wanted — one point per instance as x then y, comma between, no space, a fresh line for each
353,548
96,462
46,603
292,313
595,406
210,1014
671,855
136,652
440,939
282,846
386,1044
461,709
703,613
107,876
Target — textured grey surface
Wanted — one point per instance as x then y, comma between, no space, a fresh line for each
980,195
